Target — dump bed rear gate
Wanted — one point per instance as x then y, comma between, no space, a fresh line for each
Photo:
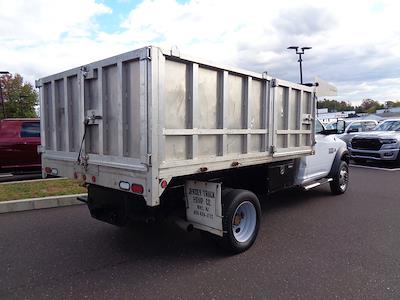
112,95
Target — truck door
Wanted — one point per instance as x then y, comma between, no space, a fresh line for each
319,164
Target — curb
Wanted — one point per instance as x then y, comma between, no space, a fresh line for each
39,203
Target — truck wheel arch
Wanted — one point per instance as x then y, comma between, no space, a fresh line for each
342,154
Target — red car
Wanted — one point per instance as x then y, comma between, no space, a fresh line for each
19,139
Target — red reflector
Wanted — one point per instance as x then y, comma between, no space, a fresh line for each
137,188
47,170
164,183
93,178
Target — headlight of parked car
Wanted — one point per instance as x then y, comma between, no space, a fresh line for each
388,141
389,144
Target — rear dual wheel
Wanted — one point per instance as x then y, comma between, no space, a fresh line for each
241,222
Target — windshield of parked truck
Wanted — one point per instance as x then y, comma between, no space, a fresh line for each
318,127
389,126
333,125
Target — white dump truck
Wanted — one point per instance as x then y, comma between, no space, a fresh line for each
156,134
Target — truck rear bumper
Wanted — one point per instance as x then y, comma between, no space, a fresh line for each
116,207
131,182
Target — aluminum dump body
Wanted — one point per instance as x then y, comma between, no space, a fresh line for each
150,115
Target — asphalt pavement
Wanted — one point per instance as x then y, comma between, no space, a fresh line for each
311,245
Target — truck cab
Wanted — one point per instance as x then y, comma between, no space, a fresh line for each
329,152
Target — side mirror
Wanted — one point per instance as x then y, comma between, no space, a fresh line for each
340,126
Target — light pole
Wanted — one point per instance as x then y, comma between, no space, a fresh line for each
300,53
1,94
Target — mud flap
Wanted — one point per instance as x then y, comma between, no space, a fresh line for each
204,206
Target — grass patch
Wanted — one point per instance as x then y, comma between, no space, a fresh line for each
37,189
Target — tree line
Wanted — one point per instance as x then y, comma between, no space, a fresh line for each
367,105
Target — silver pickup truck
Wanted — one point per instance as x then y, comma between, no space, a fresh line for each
382,143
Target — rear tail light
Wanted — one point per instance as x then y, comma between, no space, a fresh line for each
47,170
137,188
164,183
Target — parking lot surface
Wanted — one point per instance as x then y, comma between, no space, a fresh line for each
311,245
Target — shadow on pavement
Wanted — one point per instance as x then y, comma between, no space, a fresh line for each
377,164
166,239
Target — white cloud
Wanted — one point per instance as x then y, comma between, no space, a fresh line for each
356,44
45,20
43,36
381,90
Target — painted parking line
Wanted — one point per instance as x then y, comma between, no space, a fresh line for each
375,168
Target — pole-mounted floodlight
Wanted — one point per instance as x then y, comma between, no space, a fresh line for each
300,52
1,94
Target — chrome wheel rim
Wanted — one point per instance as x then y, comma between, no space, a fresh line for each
343,178
244,221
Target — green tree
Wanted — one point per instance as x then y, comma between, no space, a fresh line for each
20,98
390,104
370,105
334,105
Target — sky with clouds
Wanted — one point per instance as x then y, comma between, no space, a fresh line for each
356,44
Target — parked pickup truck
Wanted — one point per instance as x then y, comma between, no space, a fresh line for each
157,134
381,144
356,127
19,140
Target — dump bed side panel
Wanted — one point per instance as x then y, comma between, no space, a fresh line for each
216,117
